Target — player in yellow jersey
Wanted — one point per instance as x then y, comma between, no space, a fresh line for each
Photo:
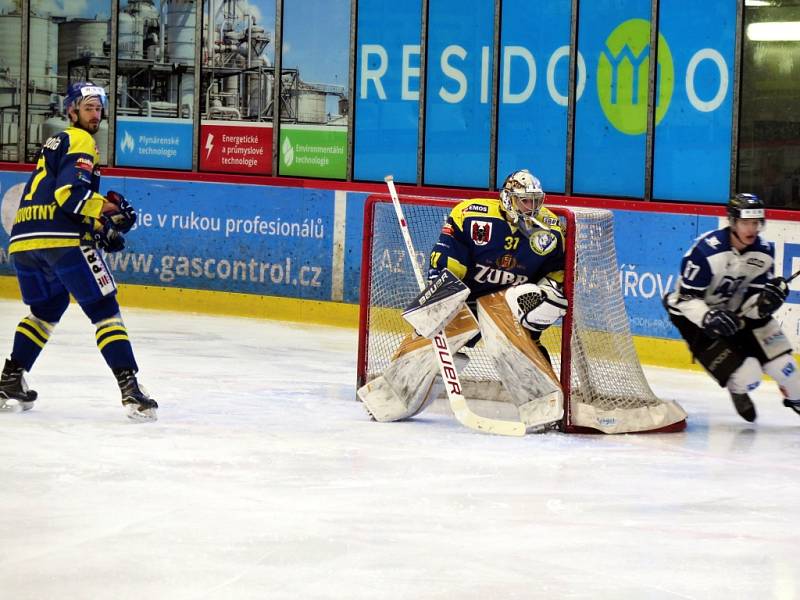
511,242
61,223
505,257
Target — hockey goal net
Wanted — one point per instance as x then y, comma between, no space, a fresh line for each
591,347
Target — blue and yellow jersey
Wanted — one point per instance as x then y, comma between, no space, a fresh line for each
60,203
488,253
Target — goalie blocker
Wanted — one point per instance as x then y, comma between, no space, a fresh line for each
437,304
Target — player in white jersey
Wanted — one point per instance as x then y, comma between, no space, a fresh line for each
723,306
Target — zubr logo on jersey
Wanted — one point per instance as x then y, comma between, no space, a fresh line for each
622,76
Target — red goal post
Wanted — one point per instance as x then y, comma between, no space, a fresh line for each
591,348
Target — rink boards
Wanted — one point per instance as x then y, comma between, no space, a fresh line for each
294,253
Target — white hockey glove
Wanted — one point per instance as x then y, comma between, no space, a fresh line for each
537,306
437,304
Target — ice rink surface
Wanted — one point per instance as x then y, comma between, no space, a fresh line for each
264,479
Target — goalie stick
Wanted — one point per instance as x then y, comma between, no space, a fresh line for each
441,349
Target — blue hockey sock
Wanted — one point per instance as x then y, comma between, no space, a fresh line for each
113,343
29,340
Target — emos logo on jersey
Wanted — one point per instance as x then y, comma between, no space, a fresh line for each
481,232
622,76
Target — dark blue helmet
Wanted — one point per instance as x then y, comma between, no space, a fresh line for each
746,206
81,90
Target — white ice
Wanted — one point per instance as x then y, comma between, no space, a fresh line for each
264,479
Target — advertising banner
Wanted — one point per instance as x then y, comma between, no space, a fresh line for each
650,247
786,237
280,242
693,103
611,116
236,147
387,90
693,142
459,75
154,142
354,234
313,151
234,238
11,186
534,77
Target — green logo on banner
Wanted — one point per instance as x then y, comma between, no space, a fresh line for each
314,151
622,77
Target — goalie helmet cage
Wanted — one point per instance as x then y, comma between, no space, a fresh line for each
604,387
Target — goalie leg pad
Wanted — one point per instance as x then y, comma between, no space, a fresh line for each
524,371
435,390
398,398
409,384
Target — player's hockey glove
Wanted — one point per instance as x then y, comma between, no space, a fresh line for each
107,238
720,323
772,296
124,217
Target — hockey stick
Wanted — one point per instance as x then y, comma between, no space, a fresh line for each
441,349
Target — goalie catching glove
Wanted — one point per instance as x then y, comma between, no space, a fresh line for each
437,304
537,306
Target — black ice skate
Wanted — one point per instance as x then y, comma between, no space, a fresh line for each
793,404
14,393
138,405
744,406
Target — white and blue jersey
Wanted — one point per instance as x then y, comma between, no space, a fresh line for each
715,275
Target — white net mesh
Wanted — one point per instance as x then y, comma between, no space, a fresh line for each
605,388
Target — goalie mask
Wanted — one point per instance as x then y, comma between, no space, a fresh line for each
522,197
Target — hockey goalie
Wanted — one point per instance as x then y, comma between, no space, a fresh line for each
496,274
